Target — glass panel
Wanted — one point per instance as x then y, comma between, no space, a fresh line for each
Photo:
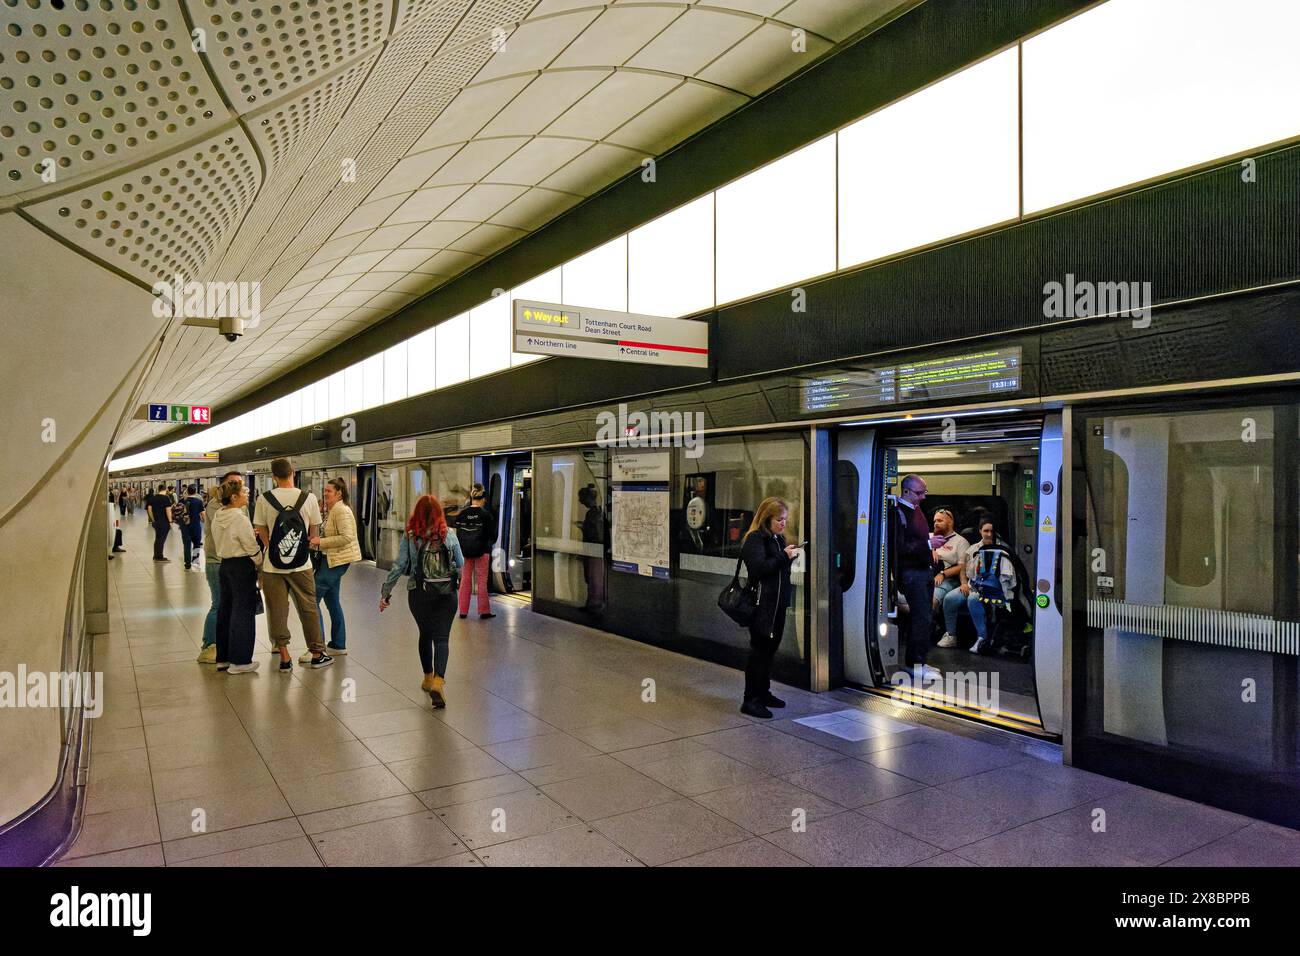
714,500
395,373
353,388
489,336
337,396
307,403
670,262
1180,586
1200,81
571,518
598,279
777,225
372,381
420,367
453,350
962,167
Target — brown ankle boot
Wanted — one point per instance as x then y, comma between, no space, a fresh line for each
435,693
426,685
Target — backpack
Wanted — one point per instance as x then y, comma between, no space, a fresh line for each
472,530
987,583
182,511
288,550
434,571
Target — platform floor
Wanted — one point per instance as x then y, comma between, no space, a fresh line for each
547,755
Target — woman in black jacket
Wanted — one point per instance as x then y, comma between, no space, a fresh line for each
767,561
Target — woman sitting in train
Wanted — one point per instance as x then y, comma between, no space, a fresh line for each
987,560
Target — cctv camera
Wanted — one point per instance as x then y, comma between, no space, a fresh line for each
232,327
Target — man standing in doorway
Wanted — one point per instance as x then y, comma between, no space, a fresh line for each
159,508
913,560
285,519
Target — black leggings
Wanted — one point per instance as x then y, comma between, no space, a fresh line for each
433,614
236,620
765,634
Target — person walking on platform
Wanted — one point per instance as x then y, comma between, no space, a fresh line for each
767,562
430,554
121,502
913,552
240,555
159,509
477,532
212,568
190,513
339,547
286,519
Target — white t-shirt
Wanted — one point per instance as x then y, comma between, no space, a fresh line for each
264,517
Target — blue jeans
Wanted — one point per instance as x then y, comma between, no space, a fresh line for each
212,571
952,605
327,589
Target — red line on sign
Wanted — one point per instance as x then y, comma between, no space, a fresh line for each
666,348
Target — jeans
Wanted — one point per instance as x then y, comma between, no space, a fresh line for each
236,625
212,571
433,614
475,575
941,591
953,602
159,538
917,585
765,635
188,544
328,581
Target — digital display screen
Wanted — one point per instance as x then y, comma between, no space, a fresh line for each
933,380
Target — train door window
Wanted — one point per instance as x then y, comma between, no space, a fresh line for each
570,517
1187,524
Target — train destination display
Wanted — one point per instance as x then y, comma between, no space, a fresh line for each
963,376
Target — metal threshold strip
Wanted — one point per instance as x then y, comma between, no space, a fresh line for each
928,700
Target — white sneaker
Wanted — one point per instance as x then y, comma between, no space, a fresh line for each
975,648
947,640
208,655
305,659
243,668
925,673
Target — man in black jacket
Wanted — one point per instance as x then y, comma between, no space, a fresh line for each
159,508
913,559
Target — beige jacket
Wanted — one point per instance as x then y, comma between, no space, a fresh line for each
338,540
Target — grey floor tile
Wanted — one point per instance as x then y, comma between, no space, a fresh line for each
756,853
326,757
852,783
530,752
609,792
569,846
108,740
504,817
670,831
945,859
436,738
568,769
944,819
447,769
769,750
457,859
237,775
118,793
116,830
341,817
474,790
767,805
1260,844
623,734
287,853
225,841
341,788
672,748
700,771
1036,845
397,841
1150,827
1015,794
851,839
179,819
150,855
935,762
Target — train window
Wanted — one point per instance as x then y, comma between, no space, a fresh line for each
572,526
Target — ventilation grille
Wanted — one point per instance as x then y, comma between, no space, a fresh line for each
90,95
1254,632
308,119
164,219
262,51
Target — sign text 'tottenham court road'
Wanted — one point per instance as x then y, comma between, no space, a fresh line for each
545,328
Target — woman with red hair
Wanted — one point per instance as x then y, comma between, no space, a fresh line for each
431,556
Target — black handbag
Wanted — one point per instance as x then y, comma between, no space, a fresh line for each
258,606
739,601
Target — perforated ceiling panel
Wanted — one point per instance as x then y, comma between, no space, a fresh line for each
351,155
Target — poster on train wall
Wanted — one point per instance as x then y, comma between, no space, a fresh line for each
639,535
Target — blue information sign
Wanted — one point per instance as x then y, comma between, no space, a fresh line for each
157,413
